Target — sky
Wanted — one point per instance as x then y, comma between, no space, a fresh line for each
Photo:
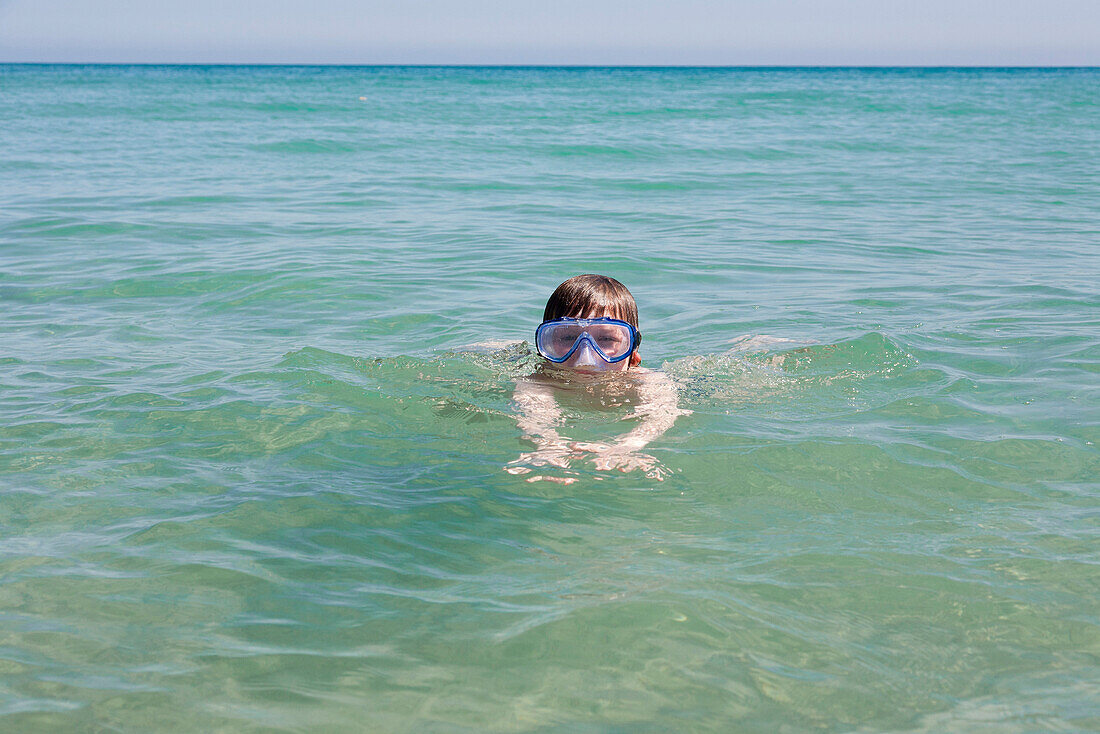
582,32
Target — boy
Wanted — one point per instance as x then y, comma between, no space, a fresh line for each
590,326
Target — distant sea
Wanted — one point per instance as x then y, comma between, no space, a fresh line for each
259,332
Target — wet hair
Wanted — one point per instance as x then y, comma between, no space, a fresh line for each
587,296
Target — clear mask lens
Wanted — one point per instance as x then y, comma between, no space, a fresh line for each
606,340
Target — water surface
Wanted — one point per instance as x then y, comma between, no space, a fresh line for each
251,468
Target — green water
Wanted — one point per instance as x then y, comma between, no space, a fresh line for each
260,330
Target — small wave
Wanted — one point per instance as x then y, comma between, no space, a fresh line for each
748,343
23,165
507,359
596,150
464,376
307,145
187,201
870,354
762,369
73,227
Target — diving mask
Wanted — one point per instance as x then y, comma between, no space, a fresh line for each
596,342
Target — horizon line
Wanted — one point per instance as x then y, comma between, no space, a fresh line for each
547,66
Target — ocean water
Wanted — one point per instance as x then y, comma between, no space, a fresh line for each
260,330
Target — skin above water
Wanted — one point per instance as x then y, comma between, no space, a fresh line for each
541,420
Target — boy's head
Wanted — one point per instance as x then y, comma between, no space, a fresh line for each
594,296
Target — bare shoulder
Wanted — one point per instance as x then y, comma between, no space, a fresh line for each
647,376
655,386
533,386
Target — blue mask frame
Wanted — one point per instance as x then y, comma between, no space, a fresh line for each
635,338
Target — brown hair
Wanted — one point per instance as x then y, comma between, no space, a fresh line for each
586,296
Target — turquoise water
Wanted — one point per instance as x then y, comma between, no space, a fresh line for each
258,340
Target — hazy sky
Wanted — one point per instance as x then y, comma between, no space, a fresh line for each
995,32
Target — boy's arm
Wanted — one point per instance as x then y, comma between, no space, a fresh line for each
538,418
539,413
658,410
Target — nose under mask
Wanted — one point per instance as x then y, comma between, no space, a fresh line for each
587,357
